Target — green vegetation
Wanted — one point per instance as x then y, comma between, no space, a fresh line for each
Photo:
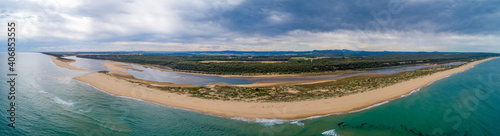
104,72
308,58
255,65
216,61
307,63
337,88
59,57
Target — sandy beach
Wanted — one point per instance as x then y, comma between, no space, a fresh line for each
254,76
118,66
267,84
65,64
269,110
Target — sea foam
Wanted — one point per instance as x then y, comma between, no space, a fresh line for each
61,101
330,133
57,99
298,123
265,122
42,91
369,107
414,91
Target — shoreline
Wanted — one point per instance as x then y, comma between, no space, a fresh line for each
64,64
328,73
257,76
115,66
117,71
267,110
112,65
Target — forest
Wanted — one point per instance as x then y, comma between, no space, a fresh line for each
288,64
286,93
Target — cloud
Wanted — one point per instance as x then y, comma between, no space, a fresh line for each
301,40
277,17
92,25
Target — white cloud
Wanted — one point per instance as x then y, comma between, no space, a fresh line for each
81,20
173,25
278,17
300,40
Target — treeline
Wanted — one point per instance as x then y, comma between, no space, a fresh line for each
54,54
289,65
59,56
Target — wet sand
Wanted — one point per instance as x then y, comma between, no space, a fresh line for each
65,64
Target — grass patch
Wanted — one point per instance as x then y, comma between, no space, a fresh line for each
337,88
104,72
216,61
308,58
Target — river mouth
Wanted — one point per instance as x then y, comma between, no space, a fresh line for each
152,74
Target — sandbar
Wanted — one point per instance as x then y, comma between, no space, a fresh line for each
268,110
270,75
117,66
65,64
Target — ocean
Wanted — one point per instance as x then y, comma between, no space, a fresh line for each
49,102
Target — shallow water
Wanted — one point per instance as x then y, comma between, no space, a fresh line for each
49,102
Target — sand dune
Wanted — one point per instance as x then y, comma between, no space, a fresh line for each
269,110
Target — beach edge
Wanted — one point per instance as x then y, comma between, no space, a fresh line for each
267,110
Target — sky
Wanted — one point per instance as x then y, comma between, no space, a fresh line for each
253,25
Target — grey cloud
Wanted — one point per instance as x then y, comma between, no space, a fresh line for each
259,24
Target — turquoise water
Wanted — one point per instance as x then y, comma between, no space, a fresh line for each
49,102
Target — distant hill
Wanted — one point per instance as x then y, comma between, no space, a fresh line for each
314,53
